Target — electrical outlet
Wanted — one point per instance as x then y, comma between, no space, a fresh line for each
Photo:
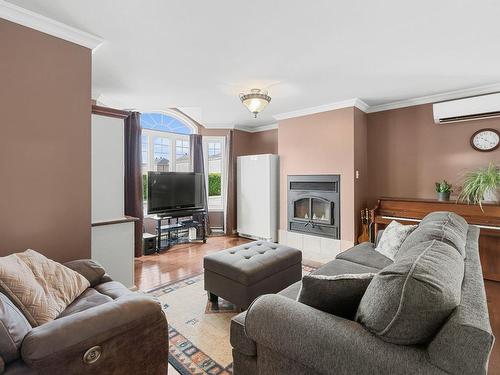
357,175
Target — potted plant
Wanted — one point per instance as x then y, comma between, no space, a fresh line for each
481,185
443,190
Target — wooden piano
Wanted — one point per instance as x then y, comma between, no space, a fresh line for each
411,211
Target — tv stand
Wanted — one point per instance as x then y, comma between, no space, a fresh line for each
173,228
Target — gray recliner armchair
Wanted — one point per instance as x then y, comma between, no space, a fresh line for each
108,329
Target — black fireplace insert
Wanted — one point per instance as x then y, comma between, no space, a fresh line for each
314,205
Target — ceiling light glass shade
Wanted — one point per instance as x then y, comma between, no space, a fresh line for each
256,100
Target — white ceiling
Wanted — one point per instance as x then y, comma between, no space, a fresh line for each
200,55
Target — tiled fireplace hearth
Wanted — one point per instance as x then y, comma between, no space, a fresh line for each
314,205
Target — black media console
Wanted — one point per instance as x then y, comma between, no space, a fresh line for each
173,228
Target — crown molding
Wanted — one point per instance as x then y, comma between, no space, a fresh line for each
354,102
219,126
46,25
450,95
361,105
257,129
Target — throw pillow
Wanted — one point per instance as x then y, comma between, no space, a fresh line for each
38,286
392,238
447,227
407,302
338,295
89,269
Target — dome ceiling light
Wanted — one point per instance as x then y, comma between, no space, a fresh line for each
256,100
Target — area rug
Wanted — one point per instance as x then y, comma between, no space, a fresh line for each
198,329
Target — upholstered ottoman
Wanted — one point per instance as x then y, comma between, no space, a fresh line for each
242,273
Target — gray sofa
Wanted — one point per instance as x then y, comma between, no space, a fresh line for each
278,335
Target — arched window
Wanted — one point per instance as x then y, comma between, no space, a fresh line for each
165,141
167,123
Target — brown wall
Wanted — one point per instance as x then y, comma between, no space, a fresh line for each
265,142
408,152
321,143
44,144
244,143
361,183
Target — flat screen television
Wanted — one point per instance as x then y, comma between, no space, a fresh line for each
174,191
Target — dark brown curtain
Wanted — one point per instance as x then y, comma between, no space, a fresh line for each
230,209
133,177
196,149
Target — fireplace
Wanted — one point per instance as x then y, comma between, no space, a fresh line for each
314,205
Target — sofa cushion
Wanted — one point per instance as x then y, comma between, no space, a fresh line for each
408,301
113,289
13,328
38,286
291,291
89,298
392,238
341,266
446,227
88,268
252,262
338,295
365,254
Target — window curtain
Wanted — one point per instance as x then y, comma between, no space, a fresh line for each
230,188
198,165
133,177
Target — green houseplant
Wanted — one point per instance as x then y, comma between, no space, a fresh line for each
481,185
443,190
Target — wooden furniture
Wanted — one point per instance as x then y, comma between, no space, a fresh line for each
411,211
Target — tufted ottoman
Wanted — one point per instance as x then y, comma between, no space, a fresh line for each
242,273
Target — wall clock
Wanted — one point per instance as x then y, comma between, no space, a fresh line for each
485,140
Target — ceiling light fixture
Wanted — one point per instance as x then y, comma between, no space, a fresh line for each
256,100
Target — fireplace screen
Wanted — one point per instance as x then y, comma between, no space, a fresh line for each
321,210
301,208
313,205
313,209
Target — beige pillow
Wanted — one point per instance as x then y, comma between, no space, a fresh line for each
40,287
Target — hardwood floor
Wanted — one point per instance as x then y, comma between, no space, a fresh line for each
493,297
187,260
179,262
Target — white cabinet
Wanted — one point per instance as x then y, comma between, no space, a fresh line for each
257,196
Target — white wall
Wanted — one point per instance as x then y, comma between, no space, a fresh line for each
112,245
107,168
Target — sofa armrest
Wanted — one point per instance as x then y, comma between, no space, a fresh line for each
327,343
130,324
238,338
89,269
379,236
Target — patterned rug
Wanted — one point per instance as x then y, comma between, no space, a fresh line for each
198,329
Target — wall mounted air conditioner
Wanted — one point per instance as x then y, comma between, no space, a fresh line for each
467,109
